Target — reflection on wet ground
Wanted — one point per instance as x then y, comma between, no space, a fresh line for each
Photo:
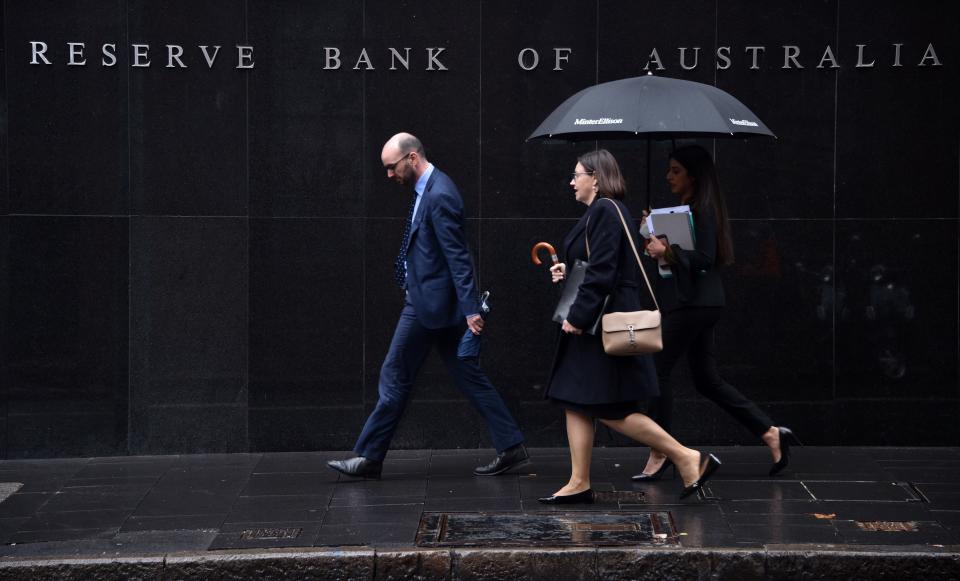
830,497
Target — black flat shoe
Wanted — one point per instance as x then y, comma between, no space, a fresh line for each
585,497
709,467
787,439
644,477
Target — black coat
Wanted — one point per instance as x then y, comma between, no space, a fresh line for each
696,280
582,373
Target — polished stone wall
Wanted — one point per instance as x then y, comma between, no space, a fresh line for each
199,259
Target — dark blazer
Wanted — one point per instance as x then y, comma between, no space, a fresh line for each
582,372
696,280
440,278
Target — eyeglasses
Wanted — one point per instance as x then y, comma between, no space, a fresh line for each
577,174
393,166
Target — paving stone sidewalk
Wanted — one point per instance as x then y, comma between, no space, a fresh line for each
903,500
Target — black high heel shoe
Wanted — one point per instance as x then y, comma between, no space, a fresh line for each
644,477
709,467
787,438
585,497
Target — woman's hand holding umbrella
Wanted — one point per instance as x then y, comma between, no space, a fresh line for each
558,272
559,269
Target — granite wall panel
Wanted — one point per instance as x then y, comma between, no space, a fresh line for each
898,282
66,337
66,124
306,148
522,179
5,329
4,130
189,328
188,118
306,322
197,254
911,175
786,180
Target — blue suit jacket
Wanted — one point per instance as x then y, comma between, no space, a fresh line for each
440,277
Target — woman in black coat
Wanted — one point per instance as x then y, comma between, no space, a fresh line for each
692,301
586,381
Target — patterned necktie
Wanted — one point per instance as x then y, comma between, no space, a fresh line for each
400,264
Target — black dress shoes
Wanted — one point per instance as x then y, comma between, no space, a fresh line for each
506,460
787,437
706,471
585,497
358,467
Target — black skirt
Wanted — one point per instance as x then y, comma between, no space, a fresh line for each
604,411
584,375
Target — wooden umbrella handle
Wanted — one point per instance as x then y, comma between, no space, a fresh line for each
550,249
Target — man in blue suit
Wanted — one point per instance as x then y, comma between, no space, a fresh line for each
435,269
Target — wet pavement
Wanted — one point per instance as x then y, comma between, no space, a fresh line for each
830,499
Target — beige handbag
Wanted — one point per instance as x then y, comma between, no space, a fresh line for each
634,332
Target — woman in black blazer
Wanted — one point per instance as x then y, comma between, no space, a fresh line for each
692,301
586,381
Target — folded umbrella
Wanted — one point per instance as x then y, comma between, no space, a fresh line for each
548,247
469,346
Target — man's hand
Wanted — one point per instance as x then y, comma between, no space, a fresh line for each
475,324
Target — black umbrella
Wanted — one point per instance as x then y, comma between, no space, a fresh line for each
650,107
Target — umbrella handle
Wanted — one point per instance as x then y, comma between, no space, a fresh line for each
549,248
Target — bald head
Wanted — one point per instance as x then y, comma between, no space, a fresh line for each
403,158
402,144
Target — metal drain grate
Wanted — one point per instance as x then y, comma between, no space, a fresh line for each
579,529
619,497
269,534
888,526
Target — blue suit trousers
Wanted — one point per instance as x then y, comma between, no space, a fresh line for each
408,350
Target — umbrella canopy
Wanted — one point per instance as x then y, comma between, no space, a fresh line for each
650,107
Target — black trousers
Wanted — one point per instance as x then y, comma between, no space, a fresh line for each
690,330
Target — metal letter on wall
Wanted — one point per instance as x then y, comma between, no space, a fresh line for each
109,54
140,55
790,54
754,50
723,53
207,57
828,56
37,49
683,58
860,63
404,60
654,58
365,59
536,59
331,55
432,59
75,51
930,54
174,52
244,56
